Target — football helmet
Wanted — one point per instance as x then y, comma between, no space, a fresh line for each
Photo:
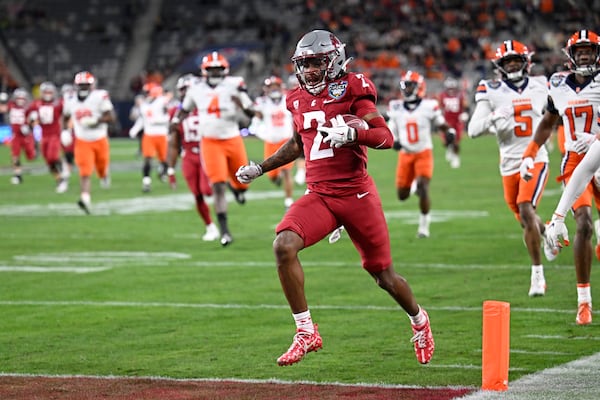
84,83
20,96
319,58
413,86
273,87
47,91
215,68
67,90
153,90
450,84
510,50
584,64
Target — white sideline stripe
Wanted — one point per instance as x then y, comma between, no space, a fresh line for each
250,306
233,380
26,268
574,380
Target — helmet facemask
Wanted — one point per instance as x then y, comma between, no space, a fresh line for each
214,75
313,81
511,73
591,56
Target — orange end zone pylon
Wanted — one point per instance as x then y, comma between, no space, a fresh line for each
495,345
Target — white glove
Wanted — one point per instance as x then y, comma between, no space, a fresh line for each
133,133
556,231
583,142
25,130
66,138
339,134
463,117
502,119
526,165
89,121
247,173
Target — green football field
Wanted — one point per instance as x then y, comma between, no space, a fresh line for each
132,290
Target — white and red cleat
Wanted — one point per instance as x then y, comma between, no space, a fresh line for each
423,340
584,314
304,342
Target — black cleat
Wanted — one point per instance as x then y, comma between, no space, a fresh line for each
239,195
83,206
226,239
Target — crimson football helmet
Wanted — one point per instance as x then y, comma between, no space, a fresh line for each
214,67
84,83
48,91
583,64
319,58
273,87
413,86
510,50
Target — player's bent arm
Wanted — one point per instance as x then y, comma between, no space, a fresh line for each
378,136
542,133
580,178
286,154
108,117
480,122
179,116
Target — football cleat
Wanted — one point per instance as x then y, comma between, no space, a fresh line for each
226,239
84,206
550,252
538,286
16,180
336,234
212,233
146,182
584,314
303,343
62,186
423,341
239,195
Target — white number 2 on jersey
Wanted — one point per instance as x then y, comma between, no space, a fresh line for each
316,153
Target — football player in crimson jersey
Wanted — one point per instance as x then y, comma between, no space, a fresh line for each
48,110
185,138
19,118
453,103
574,97
339,189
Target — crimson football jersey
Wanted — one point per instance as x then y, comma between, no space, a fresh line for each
49,116
331,170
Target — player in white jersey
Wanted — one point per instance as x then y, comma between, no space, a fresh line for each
153,120
90,113
273,124
575,97
219,98
511,108
412,120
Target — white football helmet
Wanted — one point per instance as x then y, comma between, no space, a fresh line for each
84,82
319,58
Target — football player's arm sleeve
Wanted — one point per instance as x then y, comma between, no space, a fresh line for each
480,122
379,135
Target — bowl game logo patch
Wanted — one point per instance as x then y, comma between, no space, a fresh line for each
337,89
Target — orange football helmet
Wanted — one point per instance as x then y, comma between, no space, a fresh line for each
510,50
153,89
214,67
413,86
273,87
84,82
584,64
